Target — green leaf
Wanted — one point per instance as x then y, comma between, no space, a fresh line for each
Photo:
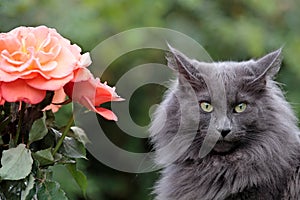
44,157
80,135
79,177
32,193
50,190
45,173
26,194
38,130
16,163
62,159
11,189
73,148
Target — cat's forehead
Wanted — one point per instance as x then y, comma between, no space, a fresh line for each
225,68
224,78
229,73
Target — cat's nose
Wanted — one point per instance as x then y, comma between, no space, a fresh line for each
224,132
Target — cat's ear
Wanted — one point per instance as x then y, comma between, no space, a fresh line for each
181,63
269,65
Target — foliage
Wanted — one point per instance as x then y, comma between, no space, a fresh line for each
232,29
28,149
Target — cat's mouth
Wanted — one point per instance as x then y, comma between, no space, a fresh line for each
223,147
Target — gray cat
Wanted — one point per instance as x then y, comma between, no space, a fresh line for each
225,131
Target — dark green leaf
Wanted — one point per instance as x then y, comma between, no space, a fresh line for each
31,193
79,177
26,194
44,174
16,163
61,117
44,157
80,135
38,129
48,141
55,133
50,190
61,159
11,189
73,148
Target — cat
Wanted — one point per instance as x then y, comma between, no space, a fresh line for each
225,131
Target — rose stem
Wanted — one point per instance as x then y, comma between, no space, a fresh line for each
61,139
22,110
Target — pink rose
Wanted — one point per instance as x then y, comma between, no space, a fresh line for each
36,60
91,93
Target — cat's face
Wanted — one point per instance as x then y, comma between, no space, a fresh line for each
231,99
229,107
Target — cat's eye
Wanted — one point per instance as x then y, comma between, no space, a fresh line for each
240,108
206,107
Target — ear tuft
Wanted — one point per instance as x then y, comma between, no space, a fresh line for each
269,65
181,63
171,60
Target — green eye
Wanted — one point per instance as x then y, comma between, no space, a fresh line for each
240,108
206,107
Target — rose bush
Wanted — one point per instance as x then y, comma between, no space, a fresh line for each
38,67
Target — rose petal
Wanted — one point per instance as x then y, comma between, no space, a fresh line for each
19,91
12,76
51,45
47,66
9,43
65,64
92,90
74,48
59,96
84,88
68,88
8,77
14,59
29,64
48,56
30,40
52,84
82,74
85,60
42,35
11,64
107,114
105,93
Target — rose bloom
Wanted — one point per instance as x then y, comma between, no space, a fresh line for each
36,60
91,93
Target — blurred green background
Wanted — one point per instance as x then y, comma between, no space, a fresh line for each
227,29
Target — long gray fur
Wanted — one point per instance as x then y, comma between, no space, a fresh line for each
263,160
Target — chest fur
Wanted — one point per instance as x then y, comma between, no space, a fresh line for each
219,181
